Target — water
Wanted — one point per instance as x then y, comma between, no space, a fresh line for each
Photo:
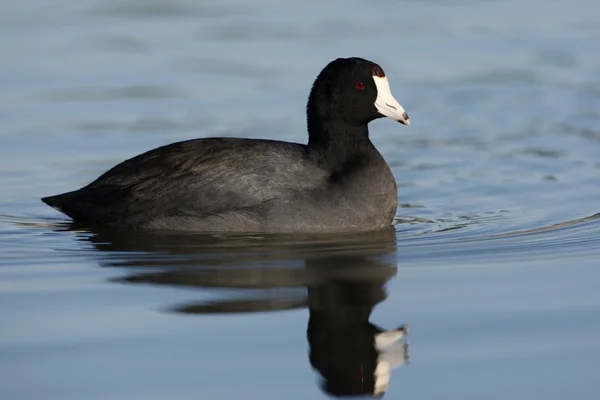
492,261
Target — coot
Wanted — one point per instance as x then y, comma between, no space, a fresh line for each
338,182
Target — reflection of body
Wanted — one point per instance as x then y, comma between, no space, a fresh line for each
344,278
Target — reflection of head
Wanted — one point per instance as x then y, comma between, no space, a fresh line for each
362,370
353,356
351,362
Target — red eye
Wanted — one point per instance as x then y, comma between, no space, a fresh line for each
359,85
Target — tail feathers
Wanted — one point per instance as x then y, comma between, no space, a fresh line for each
58,202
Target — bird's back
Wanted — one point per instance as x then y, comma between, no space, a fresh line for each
204,183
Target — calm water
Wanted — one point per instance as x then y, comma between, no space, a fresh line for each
493,262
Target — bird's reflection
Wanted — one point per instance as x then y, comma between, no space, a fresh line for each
340,279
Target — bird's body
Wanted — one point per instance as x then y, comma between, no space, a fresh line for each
337,182
186,186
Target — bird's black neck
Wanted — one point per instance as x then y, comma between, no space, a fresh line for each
335,145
